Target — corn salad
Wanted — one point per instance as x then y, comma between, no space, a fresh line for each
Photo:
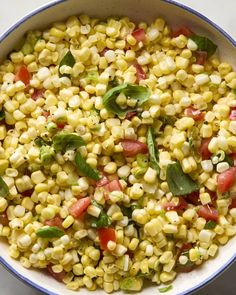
117,154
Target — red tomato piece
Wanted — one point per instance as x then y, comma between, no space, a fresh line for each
130,115
133,147
56,221
139,35
232,205
226,180
23,75
57,276
114,185
79,207
182,31
106,235
209,213
140,74
38,93
103,181
27,193
61,125
197,115
204,152
4,219
232,115
201,57
193,198
46,114
178,208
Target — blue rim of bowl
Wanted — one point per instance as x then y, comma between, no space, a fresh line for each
190,10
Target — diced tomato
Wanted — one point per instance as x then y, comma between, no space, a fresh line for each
102,53
56,221
27,193
213,195
106,235
38,93
193,198
178,208
139,35
185,247
46,114
140,74
133,147
204,152
61,125
114,185
201,57
197,115
189,266
130,115
4,219
103,181
182,31
226,180
57,276
79,207
209,213
232,205
23,75
232,115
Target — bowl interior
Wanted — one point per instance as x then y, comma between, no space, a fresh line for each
137,10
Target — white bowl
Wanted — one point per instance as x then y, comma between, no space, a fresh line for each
147,10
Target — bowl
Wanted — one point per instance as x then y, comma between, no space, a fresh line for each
138,10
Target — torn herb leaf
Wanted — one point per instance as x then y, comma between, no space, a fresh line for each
84,168
50,232
63,142
204,44
210,225
153,152
165,289
2,115
67,60
179,183
140,93
102,221
4,190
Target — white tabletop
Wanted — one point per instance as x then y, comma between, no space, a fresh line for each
223,13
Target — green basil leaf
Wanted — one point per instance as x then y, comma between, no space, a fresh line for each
63,141
179,183
39,141
2,115
84,168
50,232
46,154
153,152
204,44
167,120
165,289
210,225
229,160
93,202
140,93
4,190
102,221
234,91
67,60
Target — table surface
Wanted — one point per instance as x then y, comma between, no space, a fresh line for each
220,11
